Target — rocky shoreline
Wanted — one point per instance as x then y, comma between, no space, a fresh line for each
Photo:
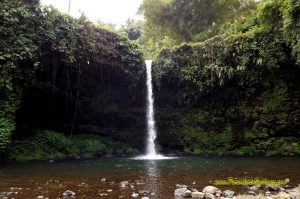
254,192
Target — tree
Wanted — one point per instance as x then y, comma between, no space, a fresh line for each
181,20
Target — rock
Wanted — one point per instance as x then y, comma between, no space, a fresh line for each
124,183
69,193
180,186
187,193
131,186
251,193
254,188
180,191
294,193
246,197
218,193
109,190
145,198
197,194
103,179
210,189
282,195
228,193
143,192
195,190
152,194
103,194
134,195
40,197
268,193
274,188
209,196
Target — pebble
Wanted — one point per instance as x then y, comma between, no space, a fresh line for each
69,193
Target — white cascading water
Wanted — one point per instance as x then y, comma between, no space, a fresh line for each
151,151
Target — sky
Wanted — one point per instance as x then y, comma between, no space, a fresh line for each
108,11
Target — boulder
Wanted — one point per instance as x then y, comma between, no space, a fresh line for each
180,191
210,189
197,194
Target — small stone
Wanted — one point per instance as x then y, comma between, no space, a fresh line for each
152,194
103,179
134,195
180,191
209,196
254,188
187,193
197,194
268,193
195,190
210,189
103,194
109,190
145,198
131,186
228,193
274,188
69,193
40,197
124,183
180,186
251,193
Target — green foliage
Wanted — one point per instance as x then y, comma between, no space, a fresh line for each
53,145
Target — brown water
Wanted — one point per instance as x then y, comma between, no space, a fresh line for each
51,179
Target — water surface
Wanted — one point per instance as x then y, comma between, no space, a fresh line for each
51,179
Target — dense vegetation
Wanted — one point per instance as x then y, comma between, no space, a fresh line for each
237,92
71,88
66,75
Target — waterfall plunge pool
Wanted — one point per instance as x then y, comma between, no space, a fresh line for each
83,176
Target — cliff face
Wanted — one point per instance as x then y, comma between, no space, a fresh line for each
233,94
68,75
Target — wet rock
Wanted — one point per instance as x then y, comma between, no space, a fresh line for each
180,191
228,193
69,193
134,195
210,189
251,193
198,195
195,190
187,193
180,186
282,195
124,183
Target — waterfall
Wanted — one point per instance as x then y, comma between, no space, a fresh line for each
151,151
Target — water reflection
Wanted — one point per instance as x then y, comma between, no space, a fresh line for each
152,178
